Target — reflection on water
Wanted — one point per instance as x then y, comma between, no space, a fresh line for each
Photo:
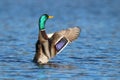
56,65
93,56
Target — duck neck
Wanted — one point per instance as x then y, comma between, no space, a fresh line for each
42,29
43,34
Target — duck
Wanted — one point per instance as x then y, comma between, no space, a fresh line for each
49,45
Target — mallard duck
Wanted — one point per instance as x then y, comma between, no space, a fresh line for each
48,45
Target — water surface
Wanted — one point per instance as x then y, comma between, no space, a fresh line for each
95,55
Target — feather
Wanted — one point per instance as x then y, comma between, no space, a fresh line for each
50,35
71,34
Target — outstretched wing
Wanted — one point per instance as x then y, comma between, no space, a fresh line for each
59,40
71,34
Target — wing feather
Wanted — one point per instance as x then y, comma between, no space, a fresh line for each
71,34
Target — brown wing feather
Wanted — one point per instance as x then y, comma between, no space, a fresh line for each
71,33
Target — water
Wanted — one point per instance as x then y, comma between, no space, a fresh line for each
95,55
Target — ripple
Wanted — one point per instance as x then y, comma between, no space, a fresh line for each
93,56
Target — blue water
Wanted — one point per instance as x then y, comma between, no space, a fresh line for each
95,55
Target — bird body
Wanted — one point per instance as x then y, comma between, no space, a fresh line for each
48,45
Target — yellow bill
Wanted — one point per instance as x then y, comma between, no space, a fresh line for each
50,17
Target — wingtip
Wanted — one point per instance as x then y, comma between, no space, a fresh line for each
77,27
76,30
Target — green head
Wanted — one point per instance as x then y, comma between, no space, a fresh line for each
42,21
